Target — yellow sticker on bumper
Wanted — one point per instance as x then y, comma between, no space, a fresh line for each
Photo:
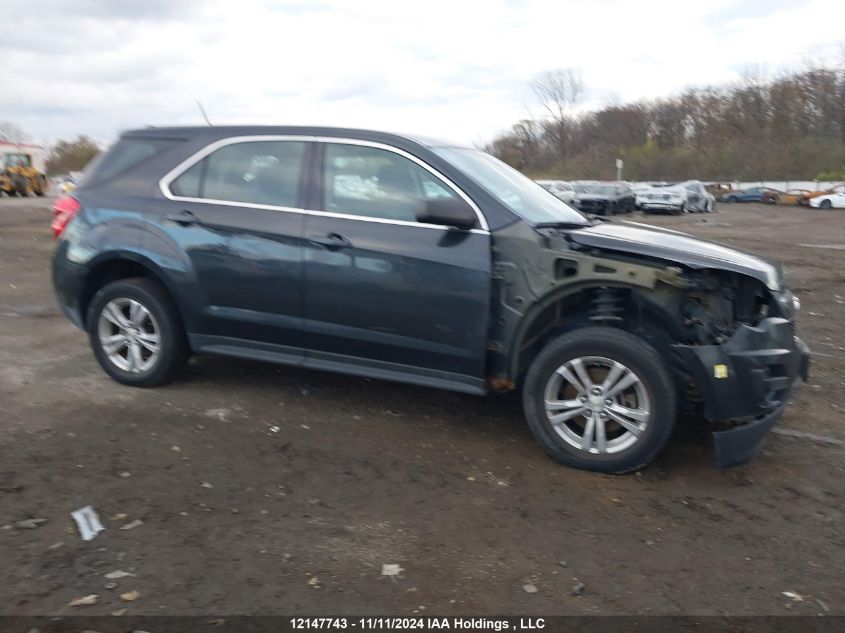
720,371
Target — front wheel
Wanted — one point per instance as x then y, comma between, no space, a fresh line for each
136,333
826,204
600,399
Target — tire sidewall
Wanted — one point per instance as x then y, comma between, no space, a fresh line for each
170,336
632,352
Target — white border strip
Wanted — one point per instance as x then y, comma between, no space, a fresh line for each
164,183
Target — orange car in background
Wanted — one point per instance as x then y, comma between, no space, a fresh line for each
790,196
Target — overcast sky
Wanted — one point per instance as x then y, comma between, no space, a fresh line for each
447,68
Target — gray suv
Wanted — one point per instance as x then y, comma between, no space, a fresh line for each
414,260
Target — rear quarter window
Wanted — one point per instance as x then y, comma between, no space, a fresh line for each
124,155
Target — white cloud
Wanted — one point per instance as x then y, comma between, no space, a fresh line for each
444,68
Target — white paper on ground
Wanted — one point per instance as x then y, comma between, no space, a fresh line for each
88,522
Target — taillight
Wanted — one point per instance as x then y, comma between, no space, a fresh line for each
63,211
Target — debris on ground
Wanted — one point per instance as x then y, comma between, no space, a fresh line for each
389,569
205,484
117,574
821,439
110,585
563,563
84,600
314,582
132,525
88,522
130,596
577,589
220,414
795,597
29,524
120,516
529,588
118,612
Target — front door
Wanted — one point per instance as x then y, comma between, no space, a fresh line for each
385,295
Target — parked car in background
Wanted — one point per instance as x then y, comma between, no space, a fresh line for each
753,194
604,198
689,196
829,200
640,190
790,196
558,188
804,201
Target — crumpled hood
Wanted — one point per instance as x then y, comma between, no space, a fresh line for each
631,237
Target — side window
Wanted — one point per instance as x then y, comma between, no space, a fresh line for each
257,172
368,181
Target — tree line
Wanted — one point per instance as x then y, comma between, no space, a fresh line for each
788,128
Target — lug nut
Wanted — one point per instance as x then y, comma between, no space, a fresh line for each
583,398
608,402
596,391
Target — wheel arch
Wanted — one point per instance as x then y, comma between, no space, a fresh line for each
569,309
117,265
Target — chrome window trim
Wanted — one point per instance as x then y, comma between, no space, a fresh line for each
185,165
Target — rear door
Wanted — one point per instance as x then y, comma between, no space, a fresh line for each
385,295
237,209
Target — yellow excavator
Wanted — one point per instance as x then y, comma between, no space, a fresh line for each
19,173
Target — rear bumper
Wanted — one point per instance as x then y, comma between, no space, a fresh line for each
746,382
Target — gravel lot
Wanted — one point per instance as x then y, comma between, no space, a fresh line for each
266,489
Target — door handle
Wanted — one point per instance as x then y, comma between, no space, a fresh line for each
182,218
332,241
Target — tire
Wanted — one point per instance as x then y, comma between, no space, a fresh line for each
682,209
22,186
655,390
162,319
825,204
730,199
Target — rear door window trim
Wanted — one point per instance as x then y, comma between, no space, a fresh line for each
173,174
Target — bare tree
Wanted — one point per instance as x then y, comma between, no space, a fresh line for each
558,92
11,132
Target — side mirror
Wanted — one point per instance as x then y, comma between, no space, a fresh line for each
454,212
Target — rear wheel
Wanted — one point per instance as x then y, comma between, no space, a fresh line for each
136,333
21,186
600,399
826,204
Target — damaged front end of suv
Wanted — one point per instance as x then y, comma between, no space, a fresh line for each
721,319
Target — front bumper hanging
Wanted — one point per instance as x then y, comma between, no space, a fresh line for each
746,380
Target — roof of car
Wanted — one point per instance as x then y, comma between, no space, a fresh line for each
223,131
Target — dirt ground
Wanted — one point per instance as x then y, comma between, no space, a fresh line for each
267,489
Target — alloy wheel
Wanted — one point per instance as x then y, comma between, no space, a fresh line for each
129,335
597,404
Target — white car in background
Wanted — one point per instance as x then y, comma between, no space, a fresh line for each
559,189
834,200
689,196
640,190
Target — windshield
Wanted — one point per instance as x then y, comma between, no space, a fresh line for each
518,193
